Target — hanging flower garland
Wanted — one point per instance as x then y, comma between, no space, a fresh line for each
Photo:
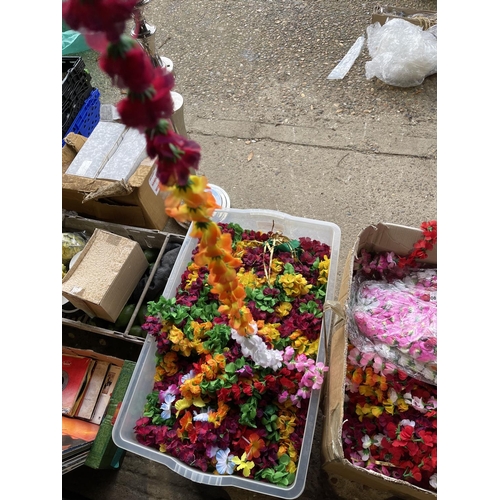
148,107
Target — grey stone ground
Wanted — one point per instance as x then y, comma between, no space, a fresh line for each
276,134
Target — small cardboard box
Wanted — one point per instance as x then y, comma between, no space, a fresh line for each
147,239
135,202
379,238
424,18
105,275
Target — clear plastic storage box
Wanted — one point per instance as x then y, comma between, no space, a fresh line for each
141,383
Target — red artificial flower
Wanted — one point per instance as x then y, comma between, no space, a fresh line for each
144,110
406,433
247,389
428,437
415,473
128,65
107,16
260,386
391,430
177,157
287,383
430,230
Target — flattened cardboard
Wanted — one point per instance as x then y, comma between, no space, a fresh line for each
379,238
137,202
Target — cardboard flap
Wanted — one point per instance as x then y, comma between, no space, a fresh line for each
385,237
332,434
117,188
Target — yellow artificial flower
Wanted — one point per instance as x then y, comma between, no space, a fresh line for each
324,267
402,406
294,285
283,309
243,465
269,331
175,335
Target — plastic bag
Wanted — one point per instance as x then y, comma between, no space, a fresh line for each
73,42
72,243
402,53
398,321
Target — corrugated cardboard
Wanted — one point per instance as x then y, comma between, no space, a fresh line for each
104,454
146,238
379,238
105,275
136,202
424,18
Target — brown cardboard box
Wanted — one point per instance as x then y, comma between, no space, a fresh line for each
104,276
137,202
382,237
424,18
147,239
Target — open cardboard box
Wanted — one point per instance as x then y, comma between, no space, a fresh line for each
104,453
147,239
379,238
137,202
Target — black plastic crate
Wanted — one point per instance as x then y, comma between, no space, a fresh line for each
76,88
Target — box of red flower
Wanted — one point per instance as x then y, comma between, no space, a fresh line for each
228,410
380,425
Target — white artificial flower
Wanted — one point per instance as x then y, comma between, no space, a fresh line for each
405,421
433,480
367,442
252,346
393,395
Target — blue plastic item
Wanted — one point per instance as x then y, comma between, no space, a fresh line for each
88,117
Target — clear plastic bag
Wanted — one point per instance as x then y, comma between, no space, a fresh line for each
402,53
72,243
398,321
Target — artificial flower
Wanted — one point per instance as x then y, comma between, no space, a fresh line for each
225,463
143,110
245,392
107,16
128,65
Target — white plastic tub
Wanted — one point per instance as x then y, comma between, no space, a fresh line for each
141,383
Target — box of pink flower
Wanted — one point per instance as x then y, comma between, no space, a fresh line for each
380,427
228,410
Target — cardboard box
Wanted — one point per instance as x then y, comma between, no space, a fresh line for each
147,239
379,238
424,18
134,202
104,453
104,276
112,152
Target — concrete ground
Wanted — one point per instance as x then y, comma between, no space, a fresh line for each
276,134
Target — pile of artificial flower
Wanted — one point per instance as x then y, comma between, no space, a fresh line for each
397,319
227,403
390,408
